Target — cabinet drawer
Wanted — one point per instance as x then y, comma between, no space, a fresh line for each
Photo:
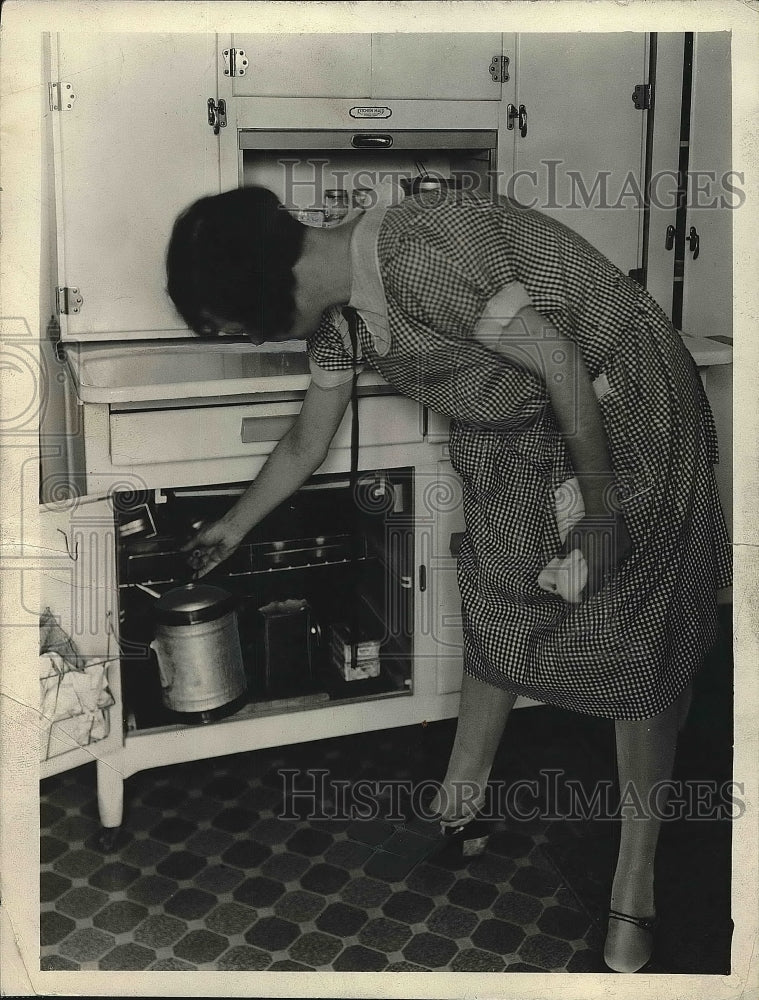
145,437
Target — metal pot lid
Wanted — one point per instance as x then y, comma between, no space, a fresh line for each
193,598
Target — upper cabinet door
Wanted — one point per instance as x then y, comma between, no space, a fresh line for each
306,65
453,67
580,159
392,66
713,193
132,151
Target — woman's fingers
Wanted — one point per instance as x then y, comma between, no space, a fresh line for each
210,546
604,543
194,543
204,562
201,556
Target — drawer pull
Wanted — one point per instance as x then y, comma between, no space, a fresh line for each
256,429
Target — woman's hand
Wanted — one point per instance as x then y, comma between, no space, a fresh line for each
212,545
604,542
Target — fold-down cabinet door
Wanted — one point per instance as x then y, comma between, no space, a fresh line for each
133,147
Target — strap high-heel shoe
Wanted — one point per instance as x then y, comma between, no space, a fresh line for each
422,839
646,924
469,836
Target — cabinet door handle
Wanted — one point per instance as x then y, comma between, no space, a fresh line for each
669,239
371,140
694,242
522,120
422,578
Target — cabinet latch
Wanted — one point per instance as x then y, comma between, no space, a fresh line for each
62,96
217,114
641,96
53,331
68,300
520,114
499,69
235,62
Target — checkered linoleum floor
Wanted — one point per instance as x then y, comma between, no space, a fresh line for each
205,875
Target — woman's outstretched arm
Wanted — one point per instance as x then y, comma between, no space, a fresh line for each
296,457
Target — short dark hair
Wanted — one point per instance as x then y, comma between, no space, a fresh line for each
231,256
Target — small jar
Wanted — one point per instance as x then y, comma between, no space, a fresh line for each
335,206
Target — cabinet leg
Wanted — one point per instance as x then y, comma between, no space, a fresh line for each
110,800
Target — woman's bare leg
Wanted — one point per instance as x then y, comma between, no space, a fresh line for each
645,757
684,703
483,711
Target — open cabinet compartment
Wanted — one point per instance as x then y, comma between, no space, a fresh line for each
320,548
307,170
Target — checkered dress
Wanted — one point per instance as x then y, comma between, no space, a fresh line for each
628,651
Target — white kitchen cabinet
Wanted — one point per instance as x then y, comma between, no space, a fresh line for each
133,147
581,157
431,66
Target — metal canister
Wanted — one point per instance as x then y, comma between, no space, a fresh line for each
197,644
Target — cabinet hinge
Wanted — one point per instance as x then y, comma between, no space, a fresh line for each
235,62
642,96
62,96
217,114
68,300
499,69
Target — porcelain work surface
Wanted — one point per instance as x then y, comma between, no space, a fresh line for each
121,372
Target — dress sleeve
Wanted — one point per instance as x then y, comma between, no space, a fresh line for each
459,266
330,355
